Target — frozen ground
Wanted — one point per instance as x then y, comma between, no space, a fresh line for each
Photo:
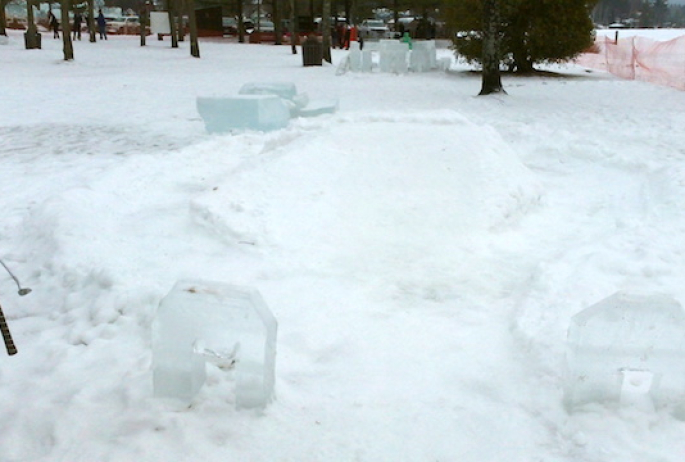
423,251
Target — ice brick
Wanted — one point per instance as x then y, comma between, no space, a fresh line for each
393,56
251,112
355,57
367,60
627,349
199,320
422,56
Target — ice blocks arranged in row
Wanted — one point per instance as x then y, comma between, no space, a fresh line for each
201,321
395,56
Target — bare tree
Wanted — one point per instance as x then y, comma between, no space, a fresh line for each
3,17
492,81
181,25
326,30
171,8
194,45
68,47
276,16
143,19
91,21
294,27
241,23
31,36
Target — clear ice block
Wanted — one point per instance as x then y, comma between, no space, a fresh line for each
203,320
252,112
627,349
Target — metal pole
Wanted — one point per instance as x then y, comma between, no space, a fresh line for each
6,336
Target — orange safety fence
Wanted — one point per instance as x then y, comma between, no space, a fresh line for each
639,58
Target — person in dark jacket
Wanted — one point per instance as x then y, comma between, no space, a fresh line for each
78,19
54,25
102,25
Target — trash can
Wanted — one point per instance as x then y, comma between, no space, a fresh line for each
32,41
312,51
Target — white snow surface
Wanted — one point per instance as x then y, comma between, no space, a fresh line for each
423,250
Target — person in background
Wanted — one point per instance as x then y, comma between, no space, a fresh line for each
78,19
54,25
102,25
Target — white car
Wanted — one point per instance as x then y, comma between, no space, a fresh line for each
374,29
123,25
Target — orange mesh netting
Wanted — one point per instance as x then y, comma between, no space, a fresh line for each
639,58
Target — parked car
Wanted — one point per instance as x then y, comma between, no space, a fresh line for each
229,26
17,23
374,29
123,25
264,26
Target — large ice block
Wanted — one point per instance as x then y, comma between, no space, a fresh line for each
628,350
393,56
367,60
252,112
355,57
422,56
226,324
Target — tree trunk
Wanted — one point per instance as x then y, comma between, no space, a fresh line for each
68,47
32,32
326,30
143,19
3,17
194,45
492,82
91,21
276,16
294,27
181,29
171,7
241,25
396,17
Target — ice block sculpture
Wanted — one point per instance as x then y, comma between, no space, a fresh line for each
367,60
393,56
253,112
226,324
627,350
422,56
355,57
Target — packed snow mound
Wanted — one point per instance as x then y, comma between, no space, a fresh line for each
449,177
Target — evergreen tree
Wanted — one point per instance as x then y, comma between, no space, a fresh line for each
532,31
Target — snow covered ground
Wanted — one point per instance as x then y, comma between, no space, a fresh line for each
423,250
